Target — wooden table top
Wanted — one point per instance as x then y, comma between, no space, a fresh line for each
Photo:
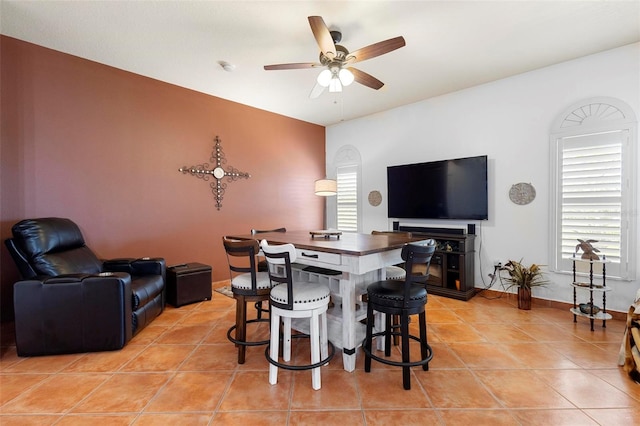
349,243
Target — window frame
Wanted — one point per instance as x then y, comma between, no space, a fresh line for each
347,156
590,118
347,196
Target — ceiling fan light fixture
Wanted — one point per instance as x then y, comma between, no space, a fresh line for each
346,77
324,78
334,57
335,85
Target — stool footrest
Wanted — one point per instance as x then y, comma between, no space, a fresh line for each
331,348
260,309
398,363
245,342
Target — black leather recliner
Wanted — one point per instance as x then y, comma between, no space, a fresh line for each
70,301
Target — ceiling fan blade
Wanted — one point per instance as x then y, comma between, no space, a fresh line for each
375,49
316,91
366,79
294,66
323,36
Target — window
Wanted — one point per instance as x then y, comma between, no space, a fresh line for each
593,187
344,213
591,193
347,198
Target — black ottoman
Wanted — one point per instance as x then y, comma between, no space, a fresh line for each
188,283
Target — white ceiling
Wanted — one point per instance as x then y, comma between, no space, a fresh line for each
450,45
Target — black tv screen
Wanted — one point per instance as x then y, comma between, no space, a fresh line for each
448,189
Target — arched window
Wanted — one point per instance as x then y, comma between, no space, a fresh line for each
346,211
593,184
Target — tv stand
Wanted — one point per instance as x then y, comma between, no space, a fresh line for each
451,273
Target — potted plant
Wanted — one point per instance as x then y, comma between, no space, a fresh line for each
524,278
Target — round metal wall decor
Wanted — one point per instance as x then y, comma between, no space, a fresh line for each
522,193
375,198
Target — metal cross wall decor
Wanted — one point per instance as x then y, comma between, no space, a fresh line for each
201,171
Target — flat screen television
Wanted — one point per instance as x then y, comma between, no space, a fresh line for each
447,189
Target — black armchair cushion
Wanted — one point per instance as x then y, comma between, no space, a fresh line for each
54,246
41,236
79,259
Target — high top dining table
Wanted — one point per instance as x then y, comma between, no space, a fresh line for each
347,263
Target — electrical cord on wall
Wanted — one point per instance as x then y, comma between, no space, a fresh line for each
480,258
495,275
492,276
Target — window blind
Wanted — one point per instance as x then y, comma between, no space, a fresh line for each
347,198
592,193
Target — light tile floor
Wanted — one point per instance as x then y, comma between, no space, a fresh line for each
493,365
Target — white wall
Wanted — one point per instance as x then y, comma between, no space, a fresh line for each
509,120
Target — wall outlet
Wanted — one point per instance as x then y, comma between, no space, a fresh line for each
497,264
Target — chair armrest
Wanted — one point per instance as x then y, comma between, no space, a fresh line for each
143,266
65,278
73,313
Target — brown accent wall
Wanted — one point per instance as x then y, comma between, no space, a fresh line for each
103,146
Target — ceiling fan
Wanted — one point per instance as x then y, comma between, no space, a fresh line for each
338,60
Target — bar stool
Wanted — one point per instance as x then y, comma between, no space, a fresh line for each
247,285
262,264
402,298
396,273
292,300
